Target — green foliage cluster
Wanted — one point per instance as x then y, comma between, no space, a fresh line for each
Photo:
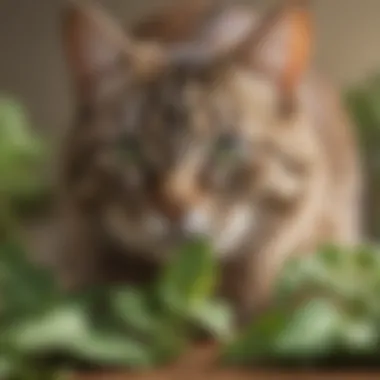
44,331
327,306
109,327
22,158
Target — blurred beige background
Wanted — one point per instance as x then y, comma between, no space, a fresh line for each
32,67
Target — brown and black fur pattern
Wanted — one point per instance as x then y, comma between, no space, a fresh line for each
213,126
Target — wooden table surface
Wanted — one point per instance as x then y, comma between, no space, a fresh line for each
199,365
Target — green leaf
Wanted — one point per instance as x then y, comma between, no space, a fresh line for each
112,350
7,367
309,332
23,155
312,330
66,330
170,340
367,260
359,336
166,337
216,318
348,275
190,278
12,121
331,256
131,305
257,341
54,330
24,288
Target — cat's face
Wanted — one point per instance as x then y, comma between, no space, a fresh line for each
182,153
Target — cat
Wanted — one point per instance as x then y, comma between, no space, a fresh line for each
204,119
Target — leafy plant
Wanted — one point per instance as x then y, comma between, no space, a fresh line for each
137,328
22,157
326,305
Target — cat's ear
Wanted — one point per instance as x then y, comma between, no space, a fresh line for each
93,42
282,45
97,48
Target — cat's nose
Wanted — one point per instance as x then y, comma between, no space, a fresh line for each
188,223
173,208
175,197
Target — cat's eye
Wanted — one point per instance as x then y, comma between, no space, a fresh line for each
172,115
227,147
174,118
128,148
